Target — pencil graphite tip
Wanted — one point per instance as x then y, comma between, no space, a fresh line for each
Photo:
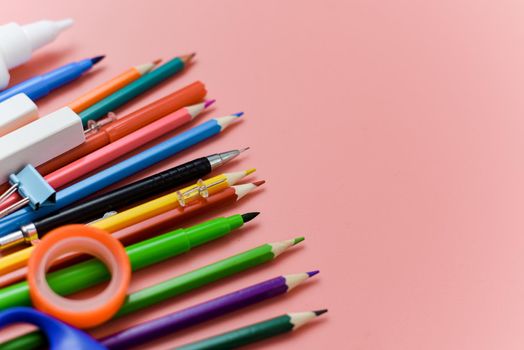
208,103
250,171
188,58
242,150
156,62
247,217
298,240
313,273
320,312
259,183
97,59
239,114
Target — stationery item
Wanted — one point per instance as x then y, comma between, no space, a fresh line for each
206,311
131,216
60,336
17,42
83,313
41,85
16,112
39,141
160,223
255,332
112,85
145,230
73,171
33,188
123,126
157,293
139,86
92,272
117,172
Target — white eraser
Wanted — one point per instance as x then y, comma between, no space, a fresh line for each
40,141
16,112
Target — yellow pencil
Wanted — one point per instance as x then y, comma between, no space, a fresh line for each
141,212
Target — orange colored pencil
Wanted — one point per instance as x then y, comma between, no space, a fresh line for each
102,91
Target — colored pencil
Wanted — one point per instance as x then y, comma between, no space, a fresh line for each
137,87
73,279
118,172
107,88
206,311
103,156
140,232
255,332
129,123
41,85
160,223
131,216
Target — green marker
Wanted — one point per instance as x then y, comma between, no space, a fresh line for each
132,90
255,332
92,272
178,285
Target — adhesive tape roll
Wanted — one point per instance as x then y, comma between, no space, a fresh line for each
89,312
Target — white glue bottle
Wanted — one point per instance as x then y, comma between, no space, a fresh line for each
18,42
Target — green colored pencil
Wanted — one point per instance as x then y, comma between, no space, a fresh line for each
255,332
178,285
135,88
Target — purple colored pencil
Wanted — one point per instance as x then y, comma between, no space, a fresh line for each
205,311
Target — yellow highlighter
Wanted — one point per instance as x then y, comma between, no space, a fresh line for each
141,212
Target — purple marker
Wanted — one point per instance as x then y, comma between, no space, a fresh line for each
205,311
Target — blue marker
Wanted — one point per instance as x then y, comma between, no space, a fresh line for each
118,172
40,86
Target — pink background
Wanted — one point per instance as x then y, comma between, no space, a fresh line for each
390,134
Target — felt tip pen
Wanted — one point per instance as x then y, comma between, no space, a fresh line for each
40,86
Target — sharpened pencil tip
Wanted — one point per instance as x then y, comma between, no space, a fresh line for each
250,171
208,103
259,183
188,58
312,273
97,59
239,114
243,150
247,217
157,61
298,240
320,312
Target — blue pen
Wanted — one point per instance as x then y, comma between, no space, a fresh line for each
40,86
118,172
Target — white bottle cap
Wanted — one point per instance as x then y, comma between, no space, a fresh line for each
40,141
16,112
18,42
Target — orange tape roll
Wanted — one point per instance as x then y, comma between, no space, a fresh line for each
89,312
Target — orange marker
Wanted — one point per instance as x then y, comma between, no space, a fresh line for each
102,91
